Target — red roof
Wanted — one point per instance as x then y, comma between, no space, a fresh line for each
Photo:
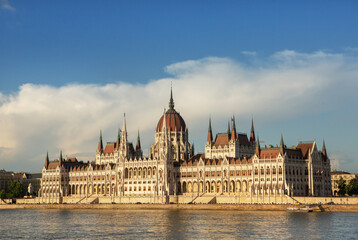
52,165
221,139
305,148
109,148
269,153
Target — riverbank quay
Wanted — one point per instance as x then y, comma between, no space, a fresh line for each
238,207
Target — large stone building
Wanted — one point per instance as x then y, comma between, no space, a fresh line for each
232,164
6,177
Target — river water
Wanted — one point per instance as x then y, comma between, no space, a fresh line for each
175,224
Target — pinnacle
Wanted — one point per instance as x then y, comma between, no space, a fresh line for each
171,101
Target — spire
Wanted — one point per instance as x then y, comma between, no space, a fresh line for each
100,143
233,130
138,147
124,123
60,159
228,128
164,126
171,101
282,145
124,136
324,148
210,133
46,161
118,138
252,134
258,149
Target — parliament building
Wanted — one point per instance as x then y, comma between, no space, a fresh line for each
233,165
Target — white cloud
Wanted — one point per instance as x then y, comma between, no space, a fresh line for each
40,117
249,53
6,5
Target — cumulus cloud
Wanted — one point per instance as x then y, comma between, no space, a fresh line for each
6,5
40,118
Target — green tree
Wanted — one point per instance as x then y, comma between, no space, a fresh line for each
349,189
352,187
341,187
2,194
15,190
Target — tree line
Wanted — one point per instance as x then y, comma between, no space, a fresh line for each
350,188
15,190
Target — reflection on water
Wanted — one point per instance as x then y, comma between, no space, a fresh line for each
174,224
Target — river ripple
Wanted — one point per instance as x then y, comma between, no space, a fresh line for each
174,224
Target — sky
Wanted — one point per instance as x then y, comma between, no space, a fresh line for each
69,69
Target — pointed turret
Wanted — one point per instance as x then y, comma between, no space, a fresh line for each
210,133
233,130
124,142
118,138
228,129
171,101
252,134
324,152
100,143
137,146
164,127
282,145
258,149
124,123
60,159
47,161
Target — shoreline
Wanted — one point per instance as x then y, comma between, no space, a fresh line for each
238,207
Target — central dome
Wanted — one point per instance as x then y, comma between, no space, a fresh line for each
173,119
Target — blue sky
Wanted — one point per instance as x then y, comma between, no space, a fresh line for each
63,47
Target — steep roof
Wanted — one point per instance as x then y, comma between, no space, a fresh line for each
305,148
110,147
243,140
269,152
221,139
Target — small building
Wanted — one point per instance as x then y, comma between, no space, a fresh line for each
336,175
34,179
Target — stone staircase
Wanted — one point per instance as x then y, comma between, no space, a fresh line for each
294,200
204,199
88,200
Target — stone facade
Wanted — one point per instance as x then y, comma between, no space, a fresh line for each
232,165
7,177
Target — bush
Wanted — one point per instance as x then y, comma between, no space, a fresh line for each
2,194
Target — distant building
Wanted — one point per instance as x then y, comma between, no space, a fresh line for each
336,175
7,177
32,178
232,164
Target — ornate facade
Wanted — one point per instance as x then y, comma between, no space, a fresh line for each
232,164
